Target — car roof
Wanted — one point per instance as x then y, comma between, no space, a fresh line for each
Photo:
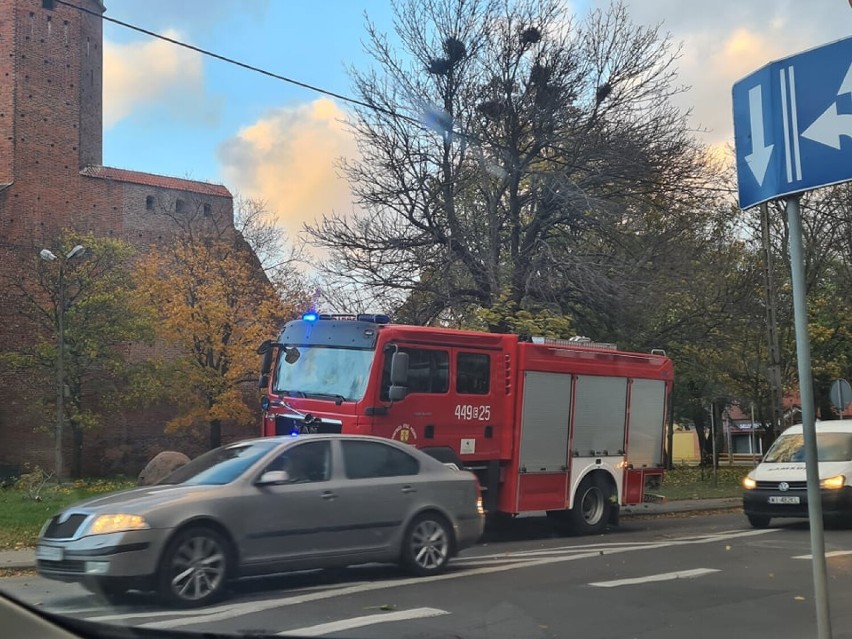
281,439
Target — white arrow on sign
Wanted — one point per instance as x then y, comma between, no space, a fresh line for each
831,125
758,160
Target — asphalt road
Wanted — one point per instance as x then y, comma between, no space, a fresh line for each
698,576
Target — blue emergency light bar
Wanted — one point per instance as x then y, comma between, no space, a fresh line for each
373,318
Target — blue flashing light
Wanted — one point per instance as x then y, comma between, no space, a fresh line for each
294,432
312,316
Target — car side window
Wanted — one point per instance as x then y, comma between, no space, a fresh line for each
363,460
307,462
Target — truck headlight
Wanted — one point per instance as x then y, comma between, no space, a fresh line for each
749,483
120,522
833,483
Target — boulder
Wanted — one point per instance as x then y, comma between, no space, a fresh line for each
163,464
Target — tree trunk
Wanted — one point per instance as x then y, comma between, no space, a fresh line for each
215,434
77,431
703,443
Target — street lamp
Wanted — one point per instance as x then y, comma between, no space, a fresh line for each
48,256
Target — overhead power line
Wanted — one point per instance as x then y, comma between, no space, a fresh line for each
244,65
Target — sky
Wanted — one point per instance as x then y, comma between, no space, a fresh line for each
174,112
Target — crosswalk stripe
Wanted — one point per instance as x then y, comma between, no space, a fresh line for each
360,622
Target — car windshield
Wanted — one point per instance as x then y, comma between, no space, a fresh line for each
426,318
220,466
324,371
831,447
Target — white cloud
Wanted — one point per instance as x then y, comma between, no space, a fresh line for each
288,158
725,40
154,74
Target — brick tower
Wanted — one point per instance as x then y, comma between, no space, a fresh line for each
51,66
52,178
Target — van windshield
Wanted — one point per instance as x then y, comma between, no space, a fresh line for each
831,447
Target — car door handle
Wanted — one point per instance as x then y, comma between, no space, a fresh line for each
408,489
329,496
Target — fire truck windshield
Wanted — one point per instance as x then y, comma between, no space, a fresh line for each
327,371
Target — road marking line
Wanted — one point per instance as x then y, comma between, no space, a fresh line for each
226,608
360,622
240,609
666,576
833,553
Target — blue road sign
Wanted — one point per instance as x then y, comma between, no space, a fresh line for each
793,124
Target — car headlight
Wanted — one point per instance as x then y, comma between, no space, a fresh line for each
119,522
749,483
833,483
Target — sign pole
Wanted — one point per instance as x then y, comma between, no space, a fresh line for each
806,391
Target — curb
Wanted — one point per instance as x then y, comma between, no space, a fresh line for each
666,507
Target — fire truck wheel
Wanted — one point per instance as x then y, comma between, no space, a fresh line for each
427,546
590,513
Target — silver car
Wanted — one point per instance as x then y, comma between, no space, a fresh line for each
265,506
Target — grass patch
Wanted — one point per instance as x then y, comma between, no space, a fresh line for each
21,517
692,482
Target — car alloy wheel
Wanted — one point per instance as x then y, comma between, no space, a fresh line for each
194,567
428,545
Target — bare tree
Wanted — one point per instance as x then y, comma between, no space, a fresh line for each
502,140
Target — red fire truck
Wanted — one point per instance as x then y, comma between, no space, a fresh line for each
570,427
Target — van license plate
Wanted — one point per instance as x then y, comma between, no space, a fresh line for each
783,500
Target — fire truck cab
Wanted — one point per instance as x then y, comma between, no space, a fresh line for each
569,427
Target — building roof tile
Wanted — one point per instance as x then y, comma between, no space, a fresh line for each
159,181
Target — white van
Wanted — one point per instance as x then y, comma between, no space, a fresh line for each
778,486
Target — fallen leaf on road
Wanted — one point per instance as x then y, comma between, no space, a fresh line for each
387,607
799,598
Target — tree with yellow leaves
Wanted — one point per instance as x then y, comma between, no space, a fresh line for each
215,303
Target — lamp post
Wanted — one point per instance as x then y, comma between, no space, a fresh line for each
48,256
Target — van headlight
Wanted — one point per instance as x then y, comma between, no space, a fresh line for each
833,483
749,483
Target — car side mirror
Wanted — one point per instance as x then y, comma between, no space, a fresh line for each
273,477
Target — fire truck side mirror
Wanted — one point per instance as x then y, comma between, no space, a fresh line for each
397,393
398,377
399,369
263,382
267,351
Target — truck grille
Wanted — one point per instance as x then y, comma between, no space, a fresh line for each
65,529
286,425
